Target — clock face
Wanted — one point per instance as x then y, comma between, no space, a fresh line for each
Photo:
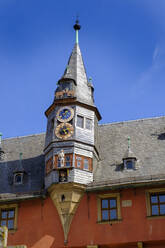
64,131
65,114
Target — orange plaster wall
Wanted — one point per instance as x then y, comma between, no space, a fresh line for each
39,225
134,226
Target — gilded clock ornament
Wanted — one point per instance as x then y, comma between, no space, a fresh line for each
65,114
64,130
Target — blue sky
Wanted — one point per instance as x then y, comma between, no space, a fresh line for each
122,43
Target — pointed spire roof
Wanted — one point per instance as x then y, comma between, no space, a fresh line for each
75,70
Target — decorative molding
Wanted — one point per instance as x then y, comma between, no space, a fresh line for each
68,101
66,197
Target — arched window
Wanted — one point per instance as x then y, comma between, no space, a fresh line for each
18,178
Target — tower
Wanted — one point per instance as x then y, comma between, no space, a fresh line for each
71,138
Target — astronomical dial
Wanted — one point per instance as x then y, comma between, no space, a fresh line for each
64,131
65,114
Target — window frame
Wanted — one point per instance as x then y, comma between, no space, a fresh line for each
89,129
81,160
15,175
126,160
87,159
99,208
109,208
78,159
8,207
83,119
149,205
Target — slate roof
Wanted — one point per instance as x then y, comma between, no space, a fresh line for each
147,142
32,163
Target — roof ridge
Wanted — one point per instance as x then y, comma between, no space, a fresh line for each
23,136
142,119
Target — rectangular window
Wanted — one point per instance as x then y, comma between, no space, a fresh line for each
86,164
79,162
155,203
68,160
109,208
80,121
129,164
58,162
8,216
88,124
83,162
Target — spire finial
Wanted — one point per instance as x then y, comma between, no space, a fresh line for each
77,28
90,79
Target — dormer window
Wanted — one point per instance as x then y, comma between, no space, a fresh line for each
129,163
18,178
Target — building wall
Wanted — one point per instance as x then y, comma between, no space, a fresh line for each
38,221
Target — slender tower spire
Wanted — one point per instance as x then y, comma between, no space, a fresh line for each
77,28
75,72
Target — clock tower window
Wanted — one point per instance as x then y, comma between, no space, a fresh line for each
68,161
88,124
86,164
83,163
80,121
84,122
79,162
